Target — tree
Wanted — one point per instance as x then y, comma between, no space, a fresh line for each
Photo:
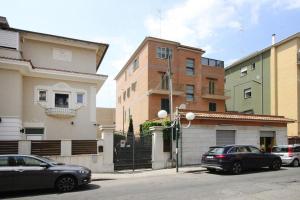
130,131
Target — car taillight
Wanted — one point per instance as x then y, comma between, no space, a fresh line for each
290,152
222,156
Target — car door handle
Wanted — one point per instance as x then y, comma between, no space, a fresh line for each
19,170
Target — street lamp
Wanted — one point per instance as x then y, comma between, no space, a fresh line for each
176,122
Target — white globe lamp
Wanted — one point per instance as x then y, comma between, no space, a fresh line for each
162,114
190,116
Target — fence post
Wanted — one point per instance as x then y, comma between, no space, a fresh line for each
107,135
158,159
24,147
66,147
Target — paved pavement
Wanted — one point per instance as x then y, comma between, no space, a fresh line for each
190,184
125,174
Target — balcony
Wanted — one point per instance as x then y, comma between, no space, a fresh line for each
177,90
219,94
61,112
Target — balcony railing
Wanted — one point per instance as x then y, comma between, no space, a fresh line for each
178,89
212,62
213,93
61,112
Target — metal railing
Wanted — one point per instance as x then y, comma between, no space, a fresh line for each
213,91
212,62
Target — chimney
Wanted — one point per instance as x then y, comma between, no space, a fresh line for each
3,23
273,38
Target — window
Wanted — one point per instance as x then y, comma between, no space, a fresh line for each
254,150
243,149
204,61
31,161
163,52
135,64
42,95
253,66
212,106
119,99
164,105
244,71
190,93
4,161
247,93
128,92
79,98
61,100
297,149
164,81
133,86
34,131
211,87
124,95
190,67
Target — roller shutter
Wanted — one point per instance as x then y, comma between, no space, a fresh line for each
224,137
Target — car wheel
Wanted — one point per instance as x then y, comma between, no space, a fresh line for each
236,168
295,163
211,170
65,184
276,164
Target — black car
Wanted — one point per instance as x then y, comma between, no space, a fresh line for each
236,158
23,172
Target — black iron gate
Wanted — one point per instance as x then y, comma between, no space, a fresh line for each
134,152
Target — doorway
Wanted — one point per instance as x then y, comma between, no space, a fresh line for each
267,140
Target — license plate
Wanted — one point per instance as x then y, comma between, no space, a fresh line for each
209,157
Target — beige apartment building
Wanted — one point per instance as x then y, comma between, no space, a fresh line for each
142,84
48,85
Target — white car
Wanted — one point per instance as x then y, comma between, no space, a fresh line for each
289,154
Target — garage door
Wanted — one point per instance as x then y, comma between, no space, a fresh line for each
224,137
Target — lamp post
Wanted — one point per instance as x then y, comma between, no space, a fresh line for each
176,122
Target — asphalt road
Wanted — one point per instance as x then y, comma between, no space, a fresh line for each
262,184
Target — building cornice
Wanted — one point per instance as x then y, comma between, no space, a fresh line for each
297,35
146,40
27,69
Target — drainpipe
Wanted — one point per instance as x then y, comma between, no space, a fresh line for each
262,84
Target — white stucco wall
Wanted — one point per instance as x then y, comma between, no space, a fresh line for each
197,139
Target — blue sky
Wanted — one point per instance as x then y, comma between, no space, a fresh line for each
227,30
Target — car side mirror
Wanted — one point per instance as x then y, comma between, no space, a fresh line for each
45,165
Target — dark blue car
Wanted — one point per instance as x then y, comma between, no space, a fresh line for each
236,158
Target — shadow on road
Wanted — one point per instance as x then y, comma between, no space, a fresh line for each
34,193
222,173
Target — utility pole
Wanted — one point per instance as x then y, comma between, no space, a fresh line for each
171,101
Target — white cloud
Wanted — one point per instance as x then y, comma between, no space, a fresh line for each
197,22
111,65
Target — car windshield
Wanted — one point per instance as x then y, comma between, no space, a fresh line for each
48,160
216,150
280,149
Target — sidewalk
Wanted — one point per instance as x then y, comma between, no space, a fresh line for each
144,173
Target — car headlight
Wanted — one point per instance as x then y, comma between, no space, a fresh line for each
83,171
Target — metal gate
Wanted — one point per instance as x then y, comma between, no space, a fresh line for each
132,152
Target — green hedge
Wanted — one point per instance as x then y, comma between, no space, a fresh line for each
145,128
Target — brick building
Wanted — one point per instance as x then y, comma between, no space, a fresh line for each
142,84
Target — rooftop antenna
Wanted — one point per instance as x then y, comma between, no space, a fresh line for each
160,19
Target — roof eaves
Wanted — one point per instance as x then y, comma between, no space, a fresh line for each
262,51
